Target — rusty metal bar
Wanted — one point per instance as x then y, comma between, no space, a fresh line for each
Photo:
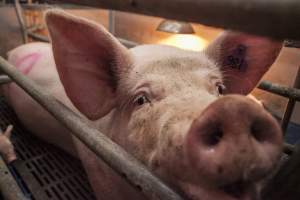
275,18
19,14
290,106
8,186
278,89
122,162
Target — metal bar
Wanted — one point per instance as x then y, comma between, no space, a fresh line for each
111,22
278,89
292,43
21,20
4,79
290,106
38,37
101,145
35,28
276,18
8,186
42,6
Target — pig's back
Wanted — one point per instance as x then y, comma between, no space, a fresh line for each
35,60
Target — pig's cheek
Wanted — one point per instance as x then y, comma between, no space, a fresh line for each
142,135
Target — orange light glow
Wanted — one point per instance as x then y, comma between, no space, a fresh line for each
185,41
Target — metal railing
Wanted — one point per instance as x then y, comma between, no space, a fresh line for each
231,14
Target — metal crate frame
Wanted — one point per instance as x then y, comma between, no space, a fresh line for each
285,13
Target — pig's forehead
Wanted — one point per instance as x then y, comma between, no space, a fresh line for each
154,58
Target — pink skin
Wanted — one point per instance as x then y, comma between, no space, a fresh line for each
161,104
25,64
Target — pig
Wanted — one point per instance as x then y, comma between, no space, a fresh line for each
7,151
183,114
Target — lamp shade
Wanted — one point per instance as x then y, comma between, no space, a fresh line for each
177,27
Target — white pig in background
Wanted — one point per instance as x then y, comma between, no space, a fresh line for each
163,105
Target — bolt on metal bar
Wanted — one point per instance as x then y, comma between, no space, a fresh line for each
278,89
8,186
290,106
274,18
117,158
19,14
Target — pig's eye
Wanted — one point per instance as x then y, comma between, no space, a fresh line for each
220,88
140,100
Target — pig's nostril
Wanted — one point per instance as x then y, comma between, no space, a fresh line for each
258,132
214,137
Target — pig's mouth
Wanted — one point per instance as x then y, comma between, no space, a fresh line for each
237,190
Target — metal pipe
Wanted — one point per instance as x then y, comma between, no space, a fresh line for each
278,89
275,18
38,37
35,28
118,159
111,22
4,79
19,14
8,186
290,106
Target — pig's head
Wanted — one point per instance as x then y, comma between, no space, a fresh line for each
166,105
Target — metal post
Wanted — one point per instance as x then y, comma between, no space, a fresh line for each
118,159
290,106
111,22
19,14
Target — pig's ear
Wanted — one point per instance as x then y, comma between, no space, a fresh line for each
243,59
89,61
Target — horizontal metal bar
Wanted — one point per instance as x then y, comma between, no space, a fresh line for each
35,28
38,37
8,185
292,43
42,38
278,89
117,158
4,79
276,18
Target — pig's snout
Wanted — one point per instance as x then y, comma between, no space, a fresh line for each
234,140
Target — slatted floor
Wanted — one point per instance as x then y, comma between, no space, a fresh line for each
42,171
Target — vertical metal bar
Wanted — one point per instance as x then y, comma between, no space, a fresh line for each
20,17
290,106
111,21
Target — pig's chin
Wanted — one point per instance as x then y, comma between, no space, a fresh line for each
239,190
